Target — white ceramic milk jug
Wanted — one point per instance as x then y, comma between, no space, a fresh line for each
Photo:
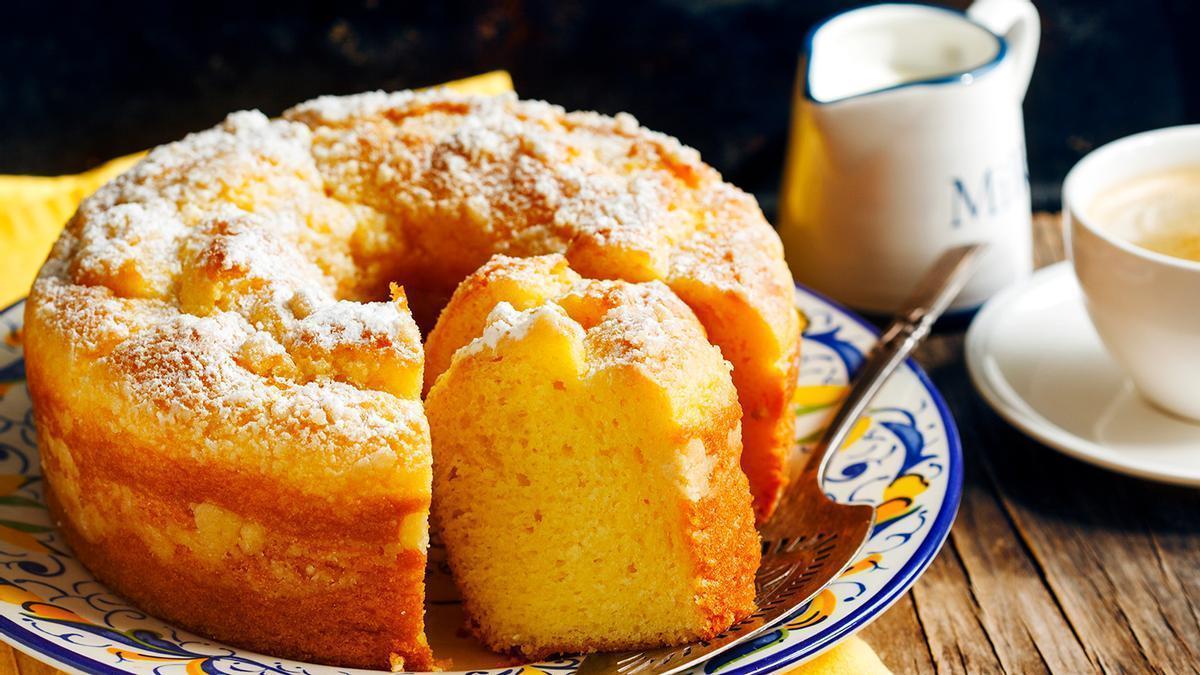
907,138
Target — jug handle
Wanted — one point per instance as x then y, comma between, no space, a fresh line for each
1018,22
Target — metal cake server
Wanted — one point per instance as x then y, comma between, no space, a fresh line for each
811,539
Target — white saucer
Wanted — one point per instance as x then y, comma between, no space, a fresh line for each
1035,358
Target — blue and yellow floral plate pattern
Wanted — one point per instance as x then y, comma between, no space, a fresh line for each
904,456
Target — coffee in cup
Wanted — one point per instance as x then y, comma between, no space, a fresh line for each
1132,215
1159,211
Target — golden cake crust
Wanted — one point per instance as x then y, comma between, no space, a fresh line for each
219,317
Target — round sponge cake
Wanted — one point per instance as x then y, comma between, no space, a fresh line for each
586,477
227,385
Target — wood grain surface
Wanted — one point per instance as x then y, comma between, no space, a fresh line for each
1052,565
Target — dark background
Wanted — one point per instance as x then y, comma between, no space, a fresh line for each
83,82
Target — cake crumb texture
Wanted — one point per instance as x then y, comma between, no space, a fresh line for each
587,465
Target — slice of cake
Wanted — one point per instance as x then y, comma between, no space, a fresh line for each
586,474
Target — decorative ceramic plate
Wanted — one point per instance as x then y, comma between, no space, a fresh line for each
904,457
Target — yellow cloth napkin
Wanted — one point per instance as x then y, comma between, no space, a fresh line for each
34,208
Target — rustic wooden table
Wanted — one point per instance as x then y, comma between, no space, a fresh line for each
1053,565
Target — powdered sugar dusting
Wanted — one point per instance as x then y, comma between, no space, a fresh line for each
226,272
197,278
359,324
505,323
528,178
646,326
620,324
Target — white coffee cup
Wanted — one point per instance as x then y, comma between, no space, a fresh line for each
907,139
1145,305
